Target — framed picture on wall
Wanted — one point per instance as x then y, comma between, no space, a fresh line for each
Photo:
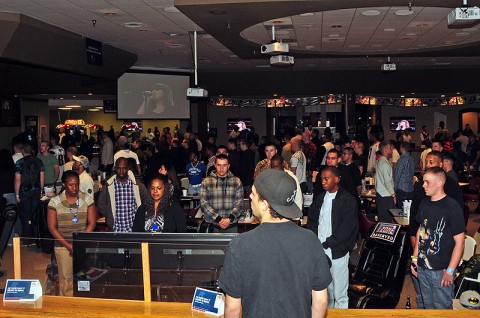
9,112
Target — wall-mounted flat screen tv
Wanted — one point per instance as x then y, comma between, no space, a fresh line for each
153,96
241,123
401,123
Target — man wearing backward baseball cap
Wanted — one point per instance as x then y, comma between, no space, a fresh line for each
80,166
278,269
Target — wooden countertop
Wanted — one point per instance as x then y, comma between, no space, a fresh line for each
61,307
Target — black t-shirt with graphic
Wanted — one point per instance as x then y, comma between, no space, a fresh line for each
439,222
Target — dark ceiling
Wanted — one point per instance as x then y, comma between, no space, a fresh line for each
48,56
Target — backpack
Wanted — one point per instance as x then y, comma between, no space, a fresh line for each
30,172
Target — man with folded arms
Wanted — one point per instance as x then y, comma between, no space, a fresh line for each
278,269
439,244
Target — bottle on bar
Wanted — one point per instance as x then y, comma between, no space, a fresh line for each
408,305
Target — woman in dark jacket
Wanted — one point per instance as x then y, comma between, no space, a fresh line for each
161,214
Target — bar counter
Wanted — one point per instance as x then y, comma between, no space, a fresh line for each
61,307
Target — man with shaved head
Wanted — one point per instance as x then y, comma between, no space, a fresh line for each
440,240
451,188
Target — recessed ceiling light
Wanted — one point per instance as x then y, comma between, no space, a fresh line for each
458,93
171,9
217,12
61,98
64,108
307,26
171,34
470,30
406,38
74,106
442,95
175,45
110,14
74,96
371,13
462,34
274,95
93,110
334,35
308,14
404,12
333,40
233,56
133,25
336,26
309,47
423,25
411,34
402,96
412,93
90,94
389,30
99,107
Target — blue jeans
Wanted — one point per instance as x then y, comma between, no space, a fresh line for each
338,288
434,295
418,298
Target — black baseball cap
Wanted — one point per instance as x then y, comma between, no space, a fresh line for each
279,189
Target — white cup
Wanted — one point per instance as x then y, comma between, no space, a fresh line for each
184,192
99,178
104,175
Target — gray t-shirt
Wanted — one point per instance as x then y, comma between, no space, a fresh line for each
274,269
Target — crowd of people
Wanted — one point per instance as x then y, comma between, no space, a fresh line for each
141,192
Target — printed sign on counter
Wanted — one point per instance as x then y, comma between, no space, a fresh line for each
208,301
22,290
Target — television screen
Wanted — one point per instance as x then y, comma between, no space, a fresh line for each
108,250
241,123
153,96
402,123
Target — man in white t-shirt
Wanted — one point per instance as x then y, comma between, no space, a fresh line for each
17,149
125,152
80,165
298,163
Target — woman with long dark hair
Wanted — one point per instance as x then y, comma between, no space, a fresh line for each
161,214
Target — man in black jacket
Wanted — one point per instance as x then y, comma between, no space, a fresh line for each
333,218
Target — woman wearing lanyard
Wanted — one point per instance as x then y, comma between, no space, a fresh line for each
70,211
161,214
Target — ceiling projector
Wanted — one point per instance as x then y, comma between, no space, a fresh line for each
282,60
274,48
197,92
389,67
463,16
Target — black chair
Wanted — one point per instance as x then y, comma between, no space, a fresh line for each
378,279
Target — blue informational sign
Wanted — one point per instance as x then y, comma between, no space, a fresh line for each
22,290
208,301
